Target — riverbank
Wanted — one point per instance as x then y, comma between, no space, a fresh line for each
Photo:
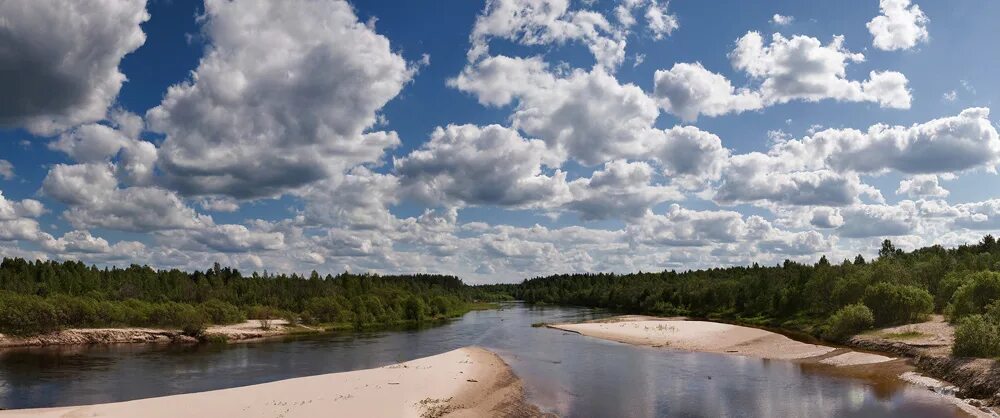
249,330
929,344
468,382
714,337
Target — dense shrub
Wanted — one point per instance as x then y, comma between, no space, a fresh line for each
893,304
947,287
26,314
219,312
978,291
979,335
327,309
414,309
850,320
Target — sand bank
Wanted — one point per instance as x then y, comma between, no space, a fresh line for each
699,336
717,337
468,382
249,330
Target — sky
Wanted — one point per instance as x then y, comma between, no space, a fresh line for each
494,140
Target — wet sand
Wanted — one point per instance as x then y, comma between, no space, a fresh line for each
468,382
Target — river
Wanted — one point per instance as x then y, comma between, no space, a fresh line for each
564,373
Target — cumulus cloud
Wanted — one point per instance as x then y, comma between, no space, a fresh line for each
92,143
786,69
688,90
758,177
899,26
949,144
802,68
661,23
878,220
83,245
685,227
253,123
492,165
620,190
17,220
586,115
983,215
922,186
95,200
544,22
61,60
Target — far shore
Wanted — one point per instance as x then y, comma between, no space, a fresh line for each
467,382
245,331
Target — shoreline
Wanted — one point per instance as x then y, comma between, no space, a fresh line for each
730,339
246,331
467,382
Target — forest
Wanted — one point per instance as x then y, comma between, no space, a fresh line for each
831,301
42,296
827,300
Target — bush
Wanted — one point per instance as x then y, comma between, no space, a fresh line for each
850,320
219,312
326,309
414,309
947,287
979,291
977,336
26,315
893,304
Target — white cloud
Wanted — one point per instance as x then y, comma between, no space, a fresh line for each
757,177
900,26
802,68
250,123
660,22
826,218
688,90
688,155
685,227
95,200
878,220
983,215
492,165
544,22
782,20
61,60
620,190
786,69
922,186
950,96
949,144
572,113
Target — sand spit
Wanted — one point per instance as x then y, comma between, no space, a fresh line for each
704,336
468,382
854,358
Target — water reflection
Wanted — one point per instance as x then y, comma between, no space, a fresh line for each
564,373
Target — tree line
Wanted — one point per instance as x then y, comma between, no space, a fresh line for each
42,296
828,300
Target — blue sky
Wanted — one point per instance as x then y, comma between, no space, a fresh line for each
495,140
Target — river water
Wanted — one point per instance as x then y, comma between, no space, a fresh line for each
564,373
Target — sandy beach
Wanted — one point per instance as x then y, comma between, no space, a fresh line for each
468,382
716,337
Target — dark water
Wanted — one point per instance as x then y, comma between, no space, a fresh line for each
571,375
